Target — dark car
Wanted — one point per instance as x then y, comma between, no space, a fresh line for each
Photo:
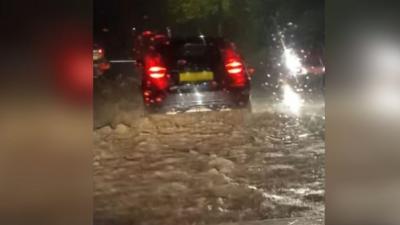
143,41
198,72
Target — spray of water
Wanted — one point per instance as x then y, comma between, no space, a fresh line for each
291,100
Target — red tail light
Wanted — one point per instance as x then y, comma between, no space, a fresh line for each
147,33
157,72
235,68
154,66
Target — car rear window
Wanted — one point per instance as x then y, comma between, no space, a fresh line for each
193,52
190,50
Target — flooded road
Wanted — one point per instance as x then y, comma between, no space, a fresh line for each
205,167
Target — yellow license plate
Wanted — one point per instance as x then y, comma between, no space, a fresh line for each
196,76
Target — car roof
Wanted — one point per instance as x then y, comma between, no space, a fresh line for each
197,39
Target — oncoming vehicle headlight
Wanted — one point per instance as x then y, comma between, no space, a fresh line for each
293,62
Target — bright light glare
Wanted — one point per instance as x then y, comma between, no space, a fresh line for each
156,69
291,99
234,64
157,72
235,70
156,75
198,94
292,62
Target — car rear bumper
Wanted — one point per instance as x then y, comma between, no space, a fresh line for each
207,99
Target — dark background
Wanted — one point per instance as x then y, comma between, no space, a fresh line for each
249,23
